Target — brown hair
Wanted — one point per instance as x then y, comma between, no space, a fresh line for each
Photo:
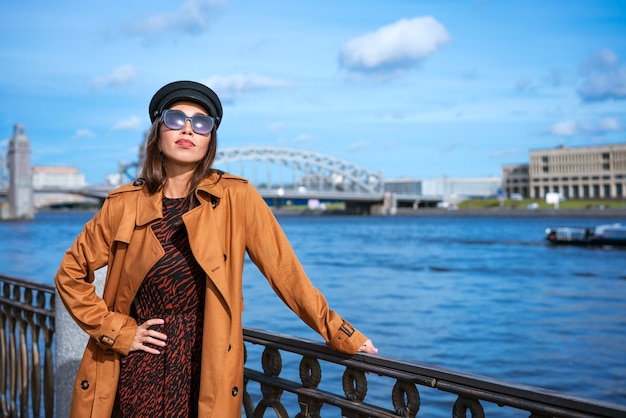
154,174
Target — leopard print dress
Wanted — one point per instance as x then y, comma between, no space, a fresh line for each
167,384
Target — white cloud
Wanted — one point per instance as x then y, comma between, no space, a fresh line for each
235,85
564,128
304,138
356,146
276,127
394,47
191,17
604,77
122,75
599,127
131,124
610,124
84,133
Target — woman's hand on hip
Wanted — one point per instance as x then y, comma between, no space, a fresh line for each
144,335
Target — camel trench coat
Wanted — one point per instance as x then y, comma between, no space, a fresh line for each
231,219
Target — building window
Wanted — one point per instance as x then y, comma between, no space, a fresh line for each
607,190
544,159
619,190
576,191
596,190
606,156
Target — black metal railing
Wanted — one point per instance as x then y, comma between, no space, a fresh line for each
27,314
470,393
395,387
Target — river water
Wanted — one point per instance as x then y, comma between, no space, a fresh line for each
484,295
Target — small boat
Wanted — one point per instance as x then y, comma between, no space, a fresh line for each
601,235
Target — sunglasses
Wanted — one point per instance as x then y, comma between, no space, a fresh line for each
176,119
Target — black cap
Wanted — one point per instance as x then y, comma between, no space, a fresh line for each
186,90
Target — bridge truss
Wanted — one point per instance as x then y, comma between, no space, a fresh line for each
308,169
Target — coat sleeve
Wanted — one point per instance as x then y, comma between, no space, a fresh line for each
74,283
272,253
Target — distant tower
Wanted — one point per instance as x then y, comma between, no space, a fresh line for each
21,202
3,170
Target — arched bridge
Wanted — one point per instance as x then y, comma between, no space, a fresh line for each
309,170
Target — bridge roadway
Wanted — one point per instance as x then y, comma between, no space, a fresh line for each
100,192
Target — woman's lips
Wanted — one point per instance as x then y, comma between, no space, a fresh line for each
185,143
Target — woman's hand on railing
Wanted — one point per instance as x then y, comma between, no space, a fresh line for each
368,347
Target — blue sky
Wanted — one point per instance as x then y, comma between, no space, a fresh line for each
412,88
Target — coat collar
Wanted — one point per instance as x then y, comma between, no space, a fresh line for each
150,207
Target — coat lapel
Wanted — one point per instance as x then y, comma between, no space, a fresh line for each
204,235
141,252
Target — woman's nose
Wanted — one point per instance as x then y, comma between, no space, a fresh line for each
187,126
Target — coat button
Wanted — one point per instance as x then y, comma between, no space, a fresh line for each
235,391
84,385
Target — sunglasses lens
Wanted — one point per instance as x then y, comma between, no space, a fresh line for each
176,119
202,124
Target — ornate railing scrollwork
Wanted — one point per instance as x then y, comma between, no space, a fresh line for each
310,376
462,404
470,390
272,365
26,335
406,399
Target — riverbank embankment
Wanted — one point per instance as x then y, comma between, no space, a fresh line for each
574,213
483,212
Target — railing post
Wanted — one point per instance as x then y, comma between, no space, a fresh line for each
71,342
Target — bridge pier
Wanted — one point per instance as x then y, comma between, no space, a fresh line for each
388,206
359,208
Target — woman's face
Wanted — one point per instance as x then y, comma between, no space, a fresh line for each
182,148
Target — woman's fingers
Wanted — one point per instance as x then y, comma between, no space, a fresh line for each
144,335
368,347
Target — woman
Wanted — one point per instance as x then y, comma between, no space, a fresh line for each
166,335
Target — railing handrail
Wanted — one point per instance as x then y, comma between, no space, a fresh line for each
27,283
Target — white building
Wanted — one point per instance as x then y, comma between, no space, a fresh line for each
57,177
53,178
